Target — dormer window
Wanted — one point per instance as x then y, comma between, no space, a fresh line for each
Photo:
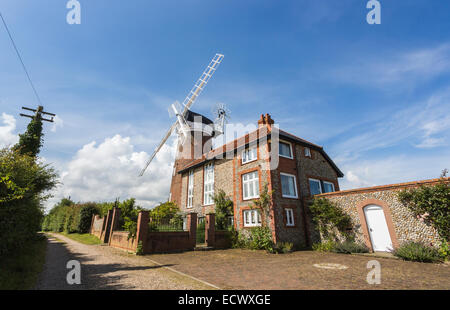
249,155
307,152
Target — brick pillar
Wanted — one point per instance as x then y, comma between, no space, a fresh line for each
114,222
142,229
192,228
107,229
210,229
92,224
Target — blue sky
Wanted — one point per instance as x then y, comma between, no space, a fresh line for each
377,97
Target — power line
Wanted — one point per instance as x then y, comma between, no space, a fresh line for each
20,58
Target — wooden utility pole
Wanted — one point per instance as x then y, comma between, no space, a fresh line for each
38,112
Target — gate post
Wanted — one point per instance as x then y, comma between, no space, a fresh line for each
210,230
142,229
107,225
114,222
192,227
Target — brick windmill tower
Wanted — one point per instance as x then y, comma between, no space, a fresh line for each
195,131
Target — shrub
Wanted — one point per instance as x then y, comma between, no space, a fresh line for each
417,252
23,180
224,209
430,204
326,246
444,250
327,216
284,247
85,217
261,239
348,247
140,249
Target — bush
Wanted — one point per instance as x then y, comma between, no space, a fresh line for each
23,180
417,252
348,247
430,204
444,250
283,247
326,246
327,216
85,217
261,239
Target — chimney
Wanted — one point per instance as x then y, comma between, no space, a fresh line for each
265,120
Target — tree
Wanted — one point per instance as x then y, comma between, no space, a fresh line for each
31,141
23,186
165,210
224,209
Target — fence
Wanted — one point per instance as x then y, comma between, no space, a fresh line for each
160,235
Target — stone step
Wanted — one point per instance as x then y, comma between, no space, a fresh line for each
203,248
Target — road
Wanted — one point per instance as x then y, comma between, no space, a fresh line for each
106,268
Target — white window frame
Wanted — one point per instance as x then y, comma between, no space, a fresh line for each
309,185
254,182
290,220
247,151
208,182
252,218
332,184
190,190
290,147
307,152
295,185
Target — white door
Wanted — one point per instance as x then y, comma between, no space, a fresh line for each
378,229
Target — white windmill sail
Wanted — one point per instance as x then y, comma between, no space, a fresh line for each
187,103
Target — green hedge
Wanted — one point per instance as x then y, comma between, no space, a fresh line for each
70,217
23,181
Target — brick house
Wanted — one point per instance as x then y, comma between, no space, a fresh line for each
303,170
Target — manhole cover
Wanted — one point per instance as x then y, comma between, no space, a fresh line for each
330,266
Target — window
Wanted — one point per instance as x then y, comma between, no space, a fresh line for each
289,217
285,150
249,155
190,199
288,185
307,152
252,218
250,185
328,187
314,187
209,184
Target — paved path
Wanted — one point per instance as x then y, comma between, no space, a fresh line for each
245,269
103,267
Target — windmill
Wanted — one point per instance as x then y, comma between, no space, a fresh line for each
187,122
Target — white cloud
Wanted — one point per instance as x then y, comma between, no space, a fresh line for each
57,122
425,124
393,169
7,135
400,70
110,169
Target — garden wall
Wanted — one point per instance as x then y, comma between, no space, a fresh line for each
402,224
97,226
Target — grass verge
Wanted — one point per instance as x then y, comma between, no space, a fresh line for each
20,270
83,238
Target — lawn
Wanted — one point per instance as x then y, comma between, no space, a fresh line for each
20,271
84,238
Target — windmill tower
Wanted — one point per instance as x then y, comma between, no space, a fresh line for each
195,131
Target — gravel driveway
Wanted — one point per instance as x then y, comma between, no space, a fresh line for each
103,267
